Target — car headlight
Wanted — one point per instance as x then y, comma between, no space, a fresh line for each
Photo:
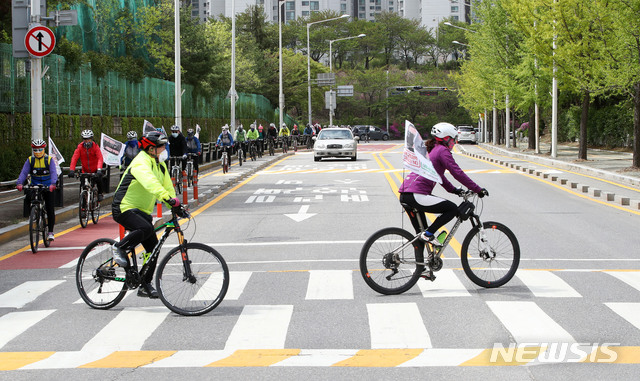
348,145
320,145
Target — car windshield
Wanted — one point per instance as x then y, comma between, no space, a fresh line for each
335,134
465,129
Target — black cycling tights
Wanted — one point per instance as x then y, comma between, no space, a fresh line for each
430,204
140,227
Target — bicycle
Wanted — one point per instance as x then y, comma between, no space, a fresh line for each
285,144
260,147
398,256
309,141
192,278
38,222
224,160
294,142
176,173
190,167
253,154
271,148
88,203
240,154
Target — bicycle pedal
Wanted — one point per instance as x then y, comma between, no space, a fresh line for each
428,276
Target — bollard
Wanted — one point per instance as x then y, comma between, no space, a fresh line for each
159,209
185,196
121,232
195,185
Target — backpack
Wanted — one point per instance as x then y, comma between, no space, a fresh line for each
44,171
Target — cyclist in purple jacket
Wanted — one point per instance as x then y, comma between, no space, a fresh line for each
416,190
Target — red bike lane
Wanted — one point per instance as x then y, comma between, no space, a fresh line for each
67,247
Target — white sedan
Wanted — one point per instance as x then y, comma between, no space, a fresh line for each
335,142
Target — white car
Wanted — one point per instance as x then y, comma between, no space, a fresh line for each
335,142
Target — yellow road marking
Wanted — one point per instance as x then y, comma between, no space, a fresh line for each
380,358
16,360
255,357
129,359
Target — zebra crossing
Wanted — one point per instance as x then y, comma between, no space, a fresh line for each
398,329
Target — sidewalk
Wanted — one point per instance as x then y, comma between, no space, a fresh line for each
605,175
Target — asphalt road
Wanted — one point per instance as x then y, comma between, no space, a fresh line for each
298,307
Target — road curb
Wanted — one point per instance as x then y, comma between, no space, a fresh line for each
588,190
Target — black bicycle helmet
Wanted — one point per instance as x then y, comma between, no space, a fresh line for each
153,139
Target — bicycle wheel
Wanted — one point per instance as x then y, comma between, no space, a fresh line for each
34,228
284,146
387,268
100,285
272,150
295,145
225,164
240,157
203,290
44,227
499,265
83,208
95,207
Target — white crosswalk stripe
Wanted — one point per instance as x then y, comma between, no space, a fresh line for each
397,325
630,278
27,292
629,311
237,282
14,324
545,284
261,327
446,284
330,284
528,323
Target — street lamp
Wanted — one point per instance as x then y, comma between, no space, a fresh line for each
458,43
281,93
331,71
459,27
309,58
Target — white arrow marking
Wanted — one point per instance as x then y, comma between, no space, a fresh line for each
302,214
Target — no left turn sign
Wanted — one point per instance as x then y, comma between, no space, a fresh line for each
40,41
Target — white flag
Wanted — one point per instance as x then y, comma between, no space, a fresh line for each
55,153
416,158
112,150
147,127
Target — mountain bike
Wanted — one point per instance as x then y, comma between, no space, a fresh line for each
38,222
190,167
309,141
271,148
260,147
294,143
392,259
285,144
240,153
192,278
224,159
176,173
89,203
253,151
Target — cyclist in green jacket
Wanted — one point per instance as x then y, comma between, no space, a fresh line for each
144,181
252,136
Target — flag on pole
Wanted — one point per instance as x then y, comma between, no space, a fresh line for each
416,157
197,134
55,153
112,150
147,127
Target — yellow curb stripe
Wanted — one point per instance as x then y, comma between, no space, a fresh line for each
509,357
16,360
380,358
129,359
255,357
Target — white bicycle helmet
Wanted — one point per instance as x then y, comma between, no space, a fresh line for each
175,128
443,129
38,143
86,134
225,128
132,135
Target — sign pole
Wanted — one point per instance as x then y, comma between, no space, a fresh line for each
36,81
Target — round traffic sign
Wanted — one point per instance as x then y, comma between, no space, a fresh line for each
39,41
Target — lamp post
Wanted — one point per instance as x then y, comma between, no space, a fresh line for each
281,93
309,58
331,71
459,27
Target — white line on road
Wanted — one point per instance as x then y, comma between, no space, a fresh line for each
330,284
27,292
397,325
629,311
630,278
15,323
446,284
237,282
261,327
528,323
546,284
